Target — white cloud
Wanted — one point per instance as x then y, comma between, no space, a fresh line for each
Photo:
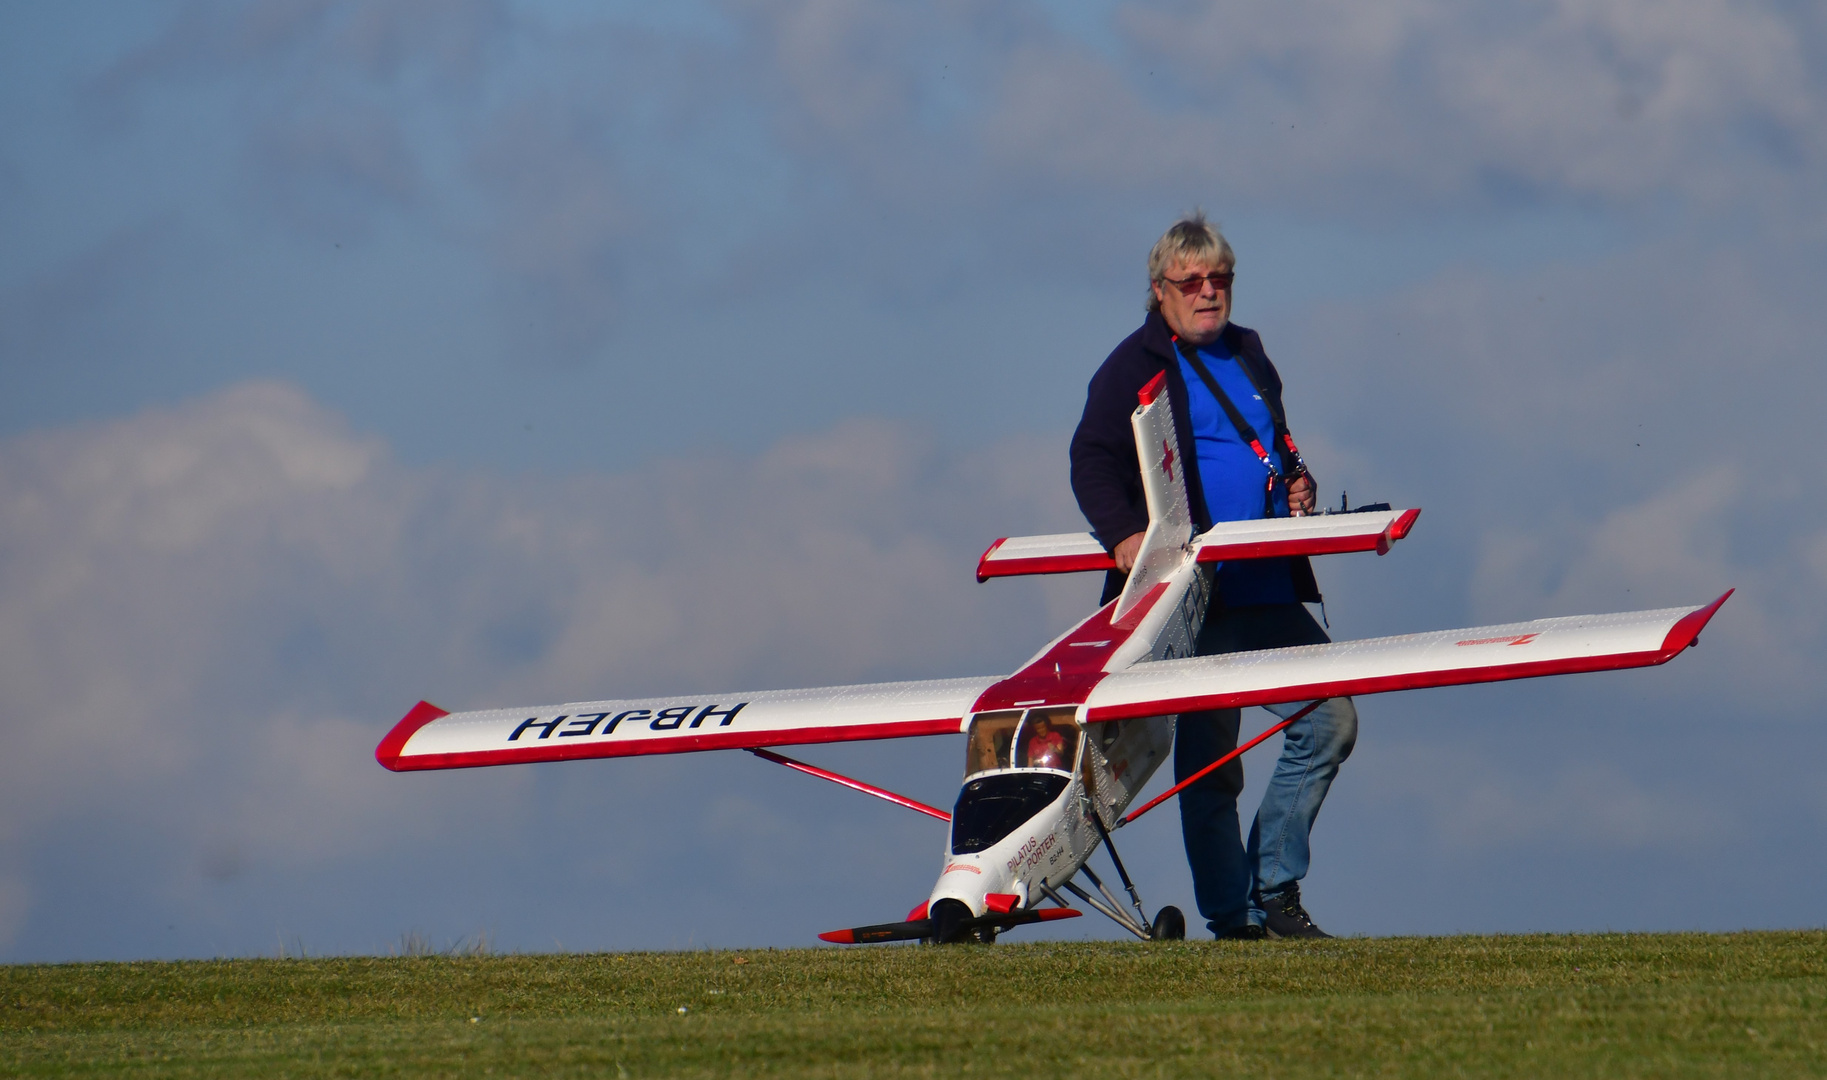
1669,541
629,155
1814,557
1622,96
210,614
1472,803
1613,98
1631,433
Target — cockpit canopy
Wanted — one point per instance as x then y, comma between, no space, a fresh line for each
991,807
1014,739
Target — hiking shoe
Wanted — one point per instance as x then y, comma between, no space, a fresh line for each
1286,918
1247,932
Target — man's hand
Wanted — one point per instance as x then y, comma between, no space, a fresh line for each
1300,504
1300,499
1125,552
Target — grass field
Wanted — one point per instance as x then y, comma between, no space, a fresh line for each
1602,1005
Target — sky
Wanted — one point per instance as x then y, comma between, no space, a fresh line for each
497,353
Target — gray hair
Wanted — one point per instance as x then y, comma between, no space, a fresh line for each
1192,239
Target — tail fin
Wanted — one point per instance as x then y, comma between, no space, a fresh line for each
1170,519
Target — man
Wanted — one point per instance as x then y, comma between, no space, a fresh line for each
1240,465
1046,747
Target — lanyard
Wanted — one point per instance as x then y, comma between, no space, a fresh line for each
1244,429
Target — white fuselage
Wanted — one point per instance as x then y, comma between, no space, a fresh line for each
1023,820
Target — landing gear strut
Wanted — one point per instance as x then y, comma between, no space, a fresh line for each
1168,925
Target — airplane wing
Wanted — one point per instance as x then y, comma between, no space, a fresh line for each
1440,658
430,738
1059,553
1316,534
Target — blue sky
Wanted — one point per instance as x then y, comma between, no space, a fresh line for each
502,353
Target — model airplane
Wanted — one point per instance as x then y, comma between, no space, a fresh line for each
1056,753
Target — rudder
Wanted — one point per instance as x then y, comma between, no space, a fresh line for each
1170,519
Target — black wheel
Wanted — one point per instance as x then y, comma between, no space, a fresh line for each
987,935
1170,925
949,918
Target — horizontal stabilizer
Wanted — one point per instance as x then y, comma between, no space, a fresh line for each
1315,534
914,929
1441,658
430,738
1268,538
1060,553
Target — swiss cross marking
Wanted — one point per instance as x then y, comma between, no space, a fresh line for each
1167,460
1519,639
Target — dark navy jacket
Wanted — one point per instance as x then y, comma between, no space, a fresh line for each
1107,475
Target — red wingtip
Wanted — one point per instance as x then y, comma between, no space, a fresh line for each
1148,394
1687,630
1048,914
1397,530
388,753
987,552
839,937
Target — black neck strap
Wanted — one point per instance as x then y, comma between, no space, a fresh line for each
1293,466
1244,429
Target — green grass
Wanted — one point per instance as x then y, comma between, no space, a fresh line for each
1604,1005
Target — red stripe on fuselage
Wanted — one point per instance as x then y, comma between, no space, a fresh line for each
1133,617
1065,674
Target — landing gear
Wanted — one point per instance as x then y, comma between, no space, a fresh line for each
1168,925
951,922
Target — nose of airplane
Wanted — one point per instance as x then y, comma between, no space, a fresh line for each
969,881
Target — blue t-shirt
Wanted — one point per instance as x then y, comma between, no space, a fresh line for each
1233,476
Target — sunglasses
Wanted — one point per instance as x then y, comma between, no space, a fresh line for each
1196,284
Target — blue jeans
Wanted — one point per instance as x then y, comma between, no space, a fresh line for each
1229,881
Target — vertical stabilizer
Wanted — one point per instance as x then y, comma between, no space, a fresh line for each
1170,519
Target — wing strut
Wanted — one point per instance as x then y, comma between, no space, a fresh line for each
854,785
1188,782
